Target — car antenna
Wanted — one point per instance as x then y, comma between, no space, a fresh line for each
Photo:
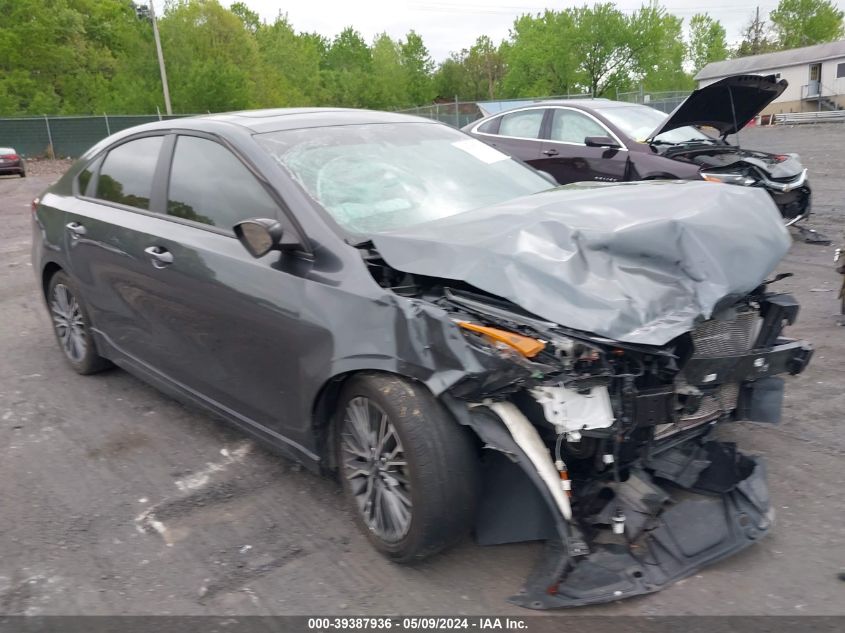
733,114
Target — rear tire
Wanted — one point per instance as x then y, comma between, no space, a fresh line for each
409,470
72,326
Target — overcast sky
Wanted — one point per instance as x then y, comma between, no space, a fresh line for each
451,25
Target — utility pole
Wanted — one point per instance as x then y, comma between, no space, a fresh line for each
160,61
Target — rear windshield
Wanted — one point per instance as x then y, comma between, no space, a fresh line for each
378,177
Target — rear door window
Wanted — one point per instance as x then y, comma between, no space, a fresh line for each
522,124
126,176
210,185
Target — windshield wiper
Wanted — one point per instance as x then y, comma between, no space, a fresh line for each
359,242
690,141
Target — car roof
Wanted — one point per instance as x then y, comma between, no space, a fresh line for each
260,121
270,120
7,150
594,104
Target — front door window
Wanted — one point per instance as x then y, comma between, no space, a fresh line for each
569,126
209,185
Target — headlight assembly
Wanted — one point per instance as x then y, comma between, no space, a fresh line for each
729,178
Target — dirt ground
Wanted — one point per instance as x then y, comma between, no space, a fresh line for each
114,499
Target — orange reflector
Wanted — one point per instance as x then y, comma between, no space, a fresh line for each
525,345
567,484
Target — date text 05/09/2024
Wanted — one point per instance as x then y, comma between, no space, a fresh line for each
430,623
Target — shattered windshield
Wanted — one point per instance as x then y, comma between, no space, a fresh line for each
378,177
638,122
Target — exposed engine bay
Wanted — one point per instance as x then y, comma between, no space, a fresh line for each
782,175
601,442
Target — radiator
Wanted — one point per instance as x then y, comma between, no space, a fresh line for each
711,339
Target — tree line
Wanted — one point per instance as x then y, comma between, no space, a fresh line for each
92,56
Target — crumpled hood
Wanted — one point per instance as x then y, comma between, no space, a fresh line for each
711,105
636,262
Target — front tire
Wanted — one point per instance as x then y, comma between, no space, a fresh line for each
72,326
409,470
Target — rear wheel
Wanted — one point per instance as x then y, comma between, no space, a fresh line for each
72,327
409,470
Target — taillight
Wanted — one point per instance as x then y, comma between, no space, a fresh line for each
34,205
10,156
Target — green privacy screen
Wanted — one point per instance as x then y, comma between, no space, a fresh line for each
70,135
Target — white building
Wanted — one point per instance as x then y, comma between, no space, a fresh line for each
816,76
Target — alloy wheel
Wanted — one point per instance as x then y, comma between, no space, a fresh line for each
69,324
374,464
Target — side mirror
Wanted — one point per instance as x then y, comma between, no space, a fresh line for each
259,236
601,141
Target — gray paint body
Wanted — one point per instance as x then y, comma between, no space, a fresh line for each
256,341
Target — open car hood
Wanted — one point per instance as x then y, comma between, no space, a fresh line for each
637,262
711,105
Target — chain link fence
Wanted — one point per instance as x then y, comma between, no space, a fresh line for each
65,136
456,113
665,101
71,136
461,113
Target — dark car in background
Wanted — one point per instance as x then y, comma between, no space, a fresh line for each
388,299
11,163
614,141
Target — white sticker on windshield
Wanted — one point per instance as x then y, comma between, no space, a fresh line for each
481,151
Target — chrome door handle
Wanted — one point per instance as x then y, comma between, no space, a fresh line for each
76,229
159,256
550,152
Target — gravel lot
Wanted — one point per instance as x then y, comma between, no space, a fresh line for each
90,465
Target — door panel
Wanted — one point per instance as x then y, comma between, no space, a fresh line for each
186,301
579,163
223,323
214,319
565,156
96,236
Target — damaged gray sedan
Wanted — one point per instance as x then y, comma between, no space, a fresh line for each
469,348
